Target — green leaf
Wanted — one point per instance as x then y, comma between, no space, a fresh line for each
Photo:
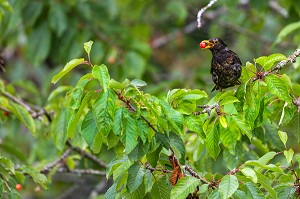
118,125
268,61
212,141
178,146
113,84
297,157
229,100
242,126
184,100
2,86
14,194
278,87
39,44
135,177
215,194
137,194
283,137
153,108
289,155
59,128
130,133
121,169
223,121
103,109
1,188
22,114
266,158
122,180
184,186
114,164
72,126
228,186
7,164
88,46
36,175
287,30
111,192
174,117
148,179
90,133
68,67
75,95
249,173
194,123
58,91
135,64
254,191
248,71
284,192
160,189
203,188
154,156
138,83
58,20
258,166
266,184
101,73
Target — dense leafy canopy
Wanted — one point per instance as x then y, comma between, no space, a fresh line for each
113,113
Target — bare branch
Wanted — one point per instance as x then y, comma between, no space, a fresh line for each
158,169
87,155
81,171
51,165
194,174
35,111
208,108
199,15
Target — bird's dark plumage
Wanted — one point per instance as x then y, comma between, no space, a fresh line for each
226,67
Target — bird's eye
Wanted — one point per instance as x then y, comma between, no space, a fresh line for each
215,41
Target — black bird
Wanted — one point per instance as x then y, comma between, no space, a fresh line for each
226,66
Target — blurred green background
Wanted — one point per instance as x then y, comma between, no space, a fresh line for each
154,40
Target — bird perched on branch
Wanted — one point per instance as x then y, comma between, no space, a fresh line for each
226,66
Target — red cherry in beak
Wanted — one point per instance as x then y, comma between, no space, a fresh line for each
202,45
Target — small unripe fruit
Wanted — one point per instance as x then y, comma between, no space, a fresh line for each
18,187
111,60
202,45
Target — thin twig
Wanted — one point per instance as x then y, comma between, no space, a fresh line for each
158,169
279,66
18,101
35,112
199,15
194,174
208,109
87,155
81,171
51,165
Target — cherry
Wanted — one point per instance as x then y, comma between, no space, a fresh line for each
18,187
6,113
202,45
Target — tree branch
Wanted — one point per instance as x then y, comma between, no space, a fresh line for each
81,171
51,165
279,66
208,109
199,15
194,174
34,112
87,155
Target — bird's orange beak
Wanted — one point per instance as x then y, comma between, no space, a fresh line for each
208,44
